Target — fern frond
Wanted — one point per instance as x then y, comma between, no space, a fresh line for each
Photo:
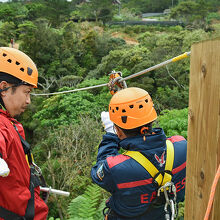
86,205
74,206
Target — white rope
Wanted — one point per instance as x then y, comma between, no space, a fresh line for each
74,90
174,78
123,79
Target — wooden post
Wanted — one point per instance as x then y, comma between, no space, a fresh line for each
203,150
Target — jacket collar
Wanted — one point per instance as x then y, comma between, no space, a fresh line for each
4,112
156,140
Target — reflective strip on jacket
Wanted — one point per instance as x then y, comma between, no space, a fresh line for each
129,183
14,189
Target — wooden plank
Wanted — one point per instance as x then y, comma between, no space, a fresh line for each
203,151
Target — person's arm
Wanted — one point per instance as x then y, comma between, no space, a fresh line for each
4,170
101,173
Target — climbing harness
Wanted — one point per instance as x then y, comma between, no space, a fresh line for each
120,80
166,190
35,173
114,84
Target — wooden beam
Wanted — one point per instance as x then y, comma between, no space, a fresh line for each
203,150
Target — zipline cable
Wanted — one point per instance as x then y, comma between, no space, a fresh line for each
180,57
68,91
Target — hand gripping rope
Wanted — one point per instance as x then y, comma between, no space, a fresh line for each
116,79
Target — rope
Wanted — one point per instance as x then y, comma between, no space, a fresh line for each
74,90
212,194
180,57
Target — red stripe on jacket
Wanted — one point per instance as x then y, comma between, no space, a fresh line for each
147,181
176,138
115,160
179,168
134,184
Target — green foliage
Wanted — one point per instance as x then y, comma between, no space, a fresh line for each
191,12
65,129
181,208
52,218
68,108
143,6
121,59
7,32
126,15
212,17
87,206
65,156
39,41
174,122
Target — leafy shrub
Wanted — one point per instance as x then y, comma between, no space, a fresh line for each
87,206
174,122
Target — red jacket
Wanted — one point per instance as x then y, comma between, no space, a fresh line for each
14,189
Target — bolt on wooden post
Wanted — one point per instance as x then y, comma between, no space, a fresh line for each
203,150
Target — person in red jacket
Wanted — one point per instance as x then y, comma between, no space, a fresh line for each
19,186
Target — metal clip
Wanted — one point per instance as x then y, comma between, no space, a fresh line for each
167,189
114,84
37,169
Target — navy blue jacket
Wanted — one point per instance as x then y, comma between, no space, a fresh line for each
129,183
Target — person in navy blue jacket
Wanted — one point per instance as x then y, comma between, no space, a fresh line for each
128,125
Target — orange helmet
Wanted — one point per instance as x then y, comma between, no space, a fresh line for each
16,63
131,108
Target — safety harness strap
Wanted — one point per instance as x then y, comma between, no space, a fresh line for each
160,178
6,214
30,212
169,162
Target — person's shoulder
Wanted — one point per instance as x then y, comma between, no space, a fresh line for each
3,120
116,160
179,143
176,138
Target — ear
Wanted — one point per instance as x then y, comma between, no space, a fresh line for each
120,133
3,85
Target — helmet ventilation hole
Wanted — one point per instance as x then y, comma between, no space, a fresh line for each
117,108
4,54
29,71
9,60
146,100
124,119
22,69
140,106
131,106
123,110
113,111
17,63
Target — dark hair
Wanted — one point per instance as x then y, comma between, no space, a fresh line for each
136,131
9,78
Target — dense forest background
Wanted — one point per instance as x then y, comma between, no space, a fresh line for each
76,44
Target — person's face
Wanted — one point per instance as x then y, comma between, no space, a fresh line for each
17,101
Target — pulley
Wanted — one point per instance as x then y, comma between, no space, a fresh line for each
114,84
